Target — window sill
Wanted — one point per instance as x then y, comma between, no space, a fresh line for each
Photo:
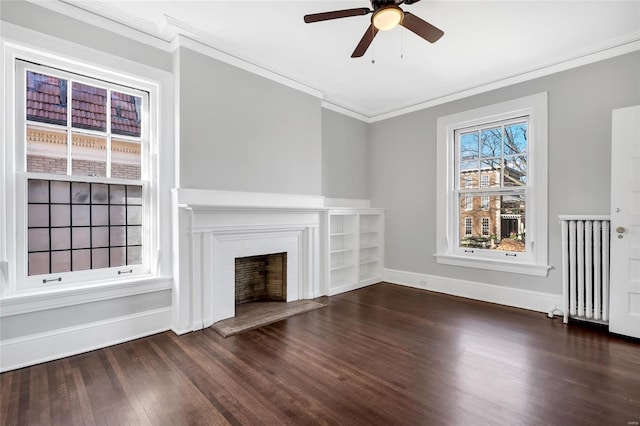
52,298
494,265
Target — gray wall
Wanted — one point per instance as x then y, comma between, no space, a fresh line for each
242,132
402,165
344,156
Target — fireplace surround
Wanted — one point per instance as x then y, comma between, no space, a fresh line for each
213,228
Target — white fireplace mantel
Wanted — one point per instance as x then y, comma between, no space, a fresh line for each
212,228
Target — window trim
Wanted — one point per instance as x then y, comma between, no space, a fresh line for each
535,107
63,54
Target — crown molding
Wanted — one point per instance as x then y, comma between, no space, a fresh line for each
619,47
101,15
345,111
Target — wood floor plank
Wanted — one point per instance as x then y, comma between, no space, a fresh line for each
384,354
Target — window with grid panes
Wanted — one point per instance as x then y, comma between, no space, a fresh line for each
85,141
502,150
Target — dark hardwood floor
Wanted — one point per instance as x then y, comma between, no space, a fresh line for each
381,355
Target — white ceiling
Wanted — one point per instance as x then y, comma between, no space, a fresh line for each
485,42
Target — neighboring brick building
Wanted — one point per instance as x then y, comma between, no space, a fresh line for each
486,220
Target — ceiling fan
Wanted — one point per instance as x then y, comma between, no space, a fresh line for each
386,15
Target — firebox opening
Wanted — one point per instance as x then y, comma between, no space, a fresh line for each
261,278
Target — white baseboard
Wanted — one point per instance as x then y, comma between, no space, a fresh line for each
42,347
348,287
525,299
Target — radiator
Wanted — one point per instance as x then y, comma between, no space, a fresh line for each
585,267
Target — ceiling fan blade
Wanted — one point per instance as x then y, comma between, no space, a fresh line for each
325,16
366,40
410,1
422,28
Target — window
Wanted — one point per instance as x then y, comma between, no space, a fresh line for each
77,127
485,226
468,228
80,176
501,149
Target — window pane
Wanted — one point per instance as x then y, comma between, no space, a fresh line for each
80,193
118,236
46,98
60,261
515,171
125,159
100,236
118,256
117,194
80,215
100,258
99,215
134,195
491,142
81,238
490,172
89,107
469,146
134,215
81,260
88,155
134,255
38,239
60,238
125,114
60,215
117,215
60,192
38,263
469,174
38,215
99,193
46,150
134,235
497,222
38,191
515,139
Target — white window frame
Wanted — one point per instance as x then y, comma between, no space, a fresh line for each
17,293
487,227
468,225
535,260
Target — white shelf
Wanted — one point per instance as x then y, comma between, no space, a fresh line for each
362,229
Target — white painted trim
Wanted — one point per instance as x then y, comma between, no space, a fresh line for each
116,22
584,217
206,197
355,286
51,298
34,349
621,47
525,299
494,265
345,111
207,50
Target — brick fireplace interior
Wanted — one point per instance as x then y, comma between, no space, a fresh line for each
261,278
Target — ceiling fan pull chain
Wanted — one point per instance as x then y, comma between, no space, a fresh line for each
401,44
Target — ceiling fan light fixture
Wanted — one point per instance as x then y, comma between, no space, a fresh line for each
387,18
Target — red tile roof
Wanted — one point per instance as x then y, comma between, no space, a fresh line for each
47,103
